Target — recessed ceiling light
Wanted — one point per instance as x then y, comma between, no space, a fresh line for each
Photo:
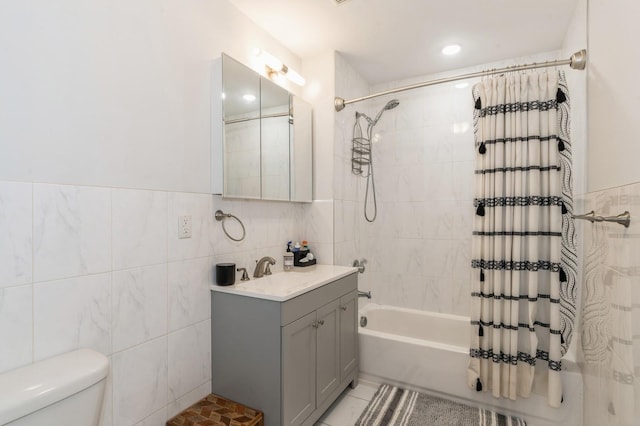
249,97
451,49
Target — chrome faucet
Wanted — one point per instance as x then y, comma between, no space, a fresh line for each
366,294
262,267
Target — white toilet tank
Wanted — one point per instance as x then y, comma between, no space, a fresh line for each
64,390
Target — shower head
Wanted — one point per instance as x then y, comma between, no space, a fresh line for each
390,105
372,122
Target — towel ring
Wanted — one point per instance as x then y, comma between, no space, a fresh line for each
220,216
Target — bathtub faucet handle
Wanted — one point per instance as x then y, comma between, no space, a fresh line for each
360,265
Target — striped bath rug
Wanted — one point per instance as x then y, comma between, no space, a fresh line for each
392,406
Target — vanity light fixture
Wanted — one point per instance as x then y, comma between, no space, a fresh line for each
276,68
451,49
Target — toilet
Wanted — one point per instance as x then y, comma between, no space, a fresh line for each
64,390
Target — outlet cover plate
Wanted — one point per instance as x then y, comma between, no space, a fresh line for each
184,226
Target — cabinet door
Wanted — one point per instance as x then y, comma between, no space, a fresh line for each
298,370
328,352
348,334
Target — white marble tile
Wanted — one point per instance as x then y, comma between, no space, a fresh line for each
408,219
188,400
71,231
412,185
189,299
200,208
437,145
323,252
345,411
159,418
438,295
463,180
461,259
439,258
462,214
363,391
139,228
16,327
318,222
16,214
438,181
438,219
139,381
140,309
106,414
189,359
72,313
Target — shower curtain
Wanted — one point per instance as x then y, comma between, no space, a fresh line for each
523,251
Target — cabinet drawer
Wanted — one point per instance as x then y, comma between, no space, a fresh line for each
299,306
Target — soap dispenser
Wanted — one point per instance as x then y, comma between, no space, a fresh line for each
287,261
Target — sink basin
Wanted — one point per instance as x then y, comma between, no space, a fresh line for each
281,285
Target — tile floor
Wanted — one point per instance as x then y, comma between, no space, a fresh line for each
348,407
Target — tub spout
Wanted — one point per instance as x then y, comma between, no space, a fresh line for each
366,294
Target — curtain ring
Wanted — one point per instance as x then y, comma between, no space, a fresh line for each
220,216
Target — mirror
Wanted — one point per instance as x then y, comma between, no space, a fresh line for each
261,137
274,140
241,147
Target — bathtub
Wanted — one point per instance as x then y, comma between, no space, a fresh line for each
429,352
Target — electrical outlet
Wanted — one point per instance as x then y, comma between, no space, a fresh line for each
184,226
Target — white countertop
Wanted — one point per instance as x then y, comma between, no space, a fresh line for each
285,285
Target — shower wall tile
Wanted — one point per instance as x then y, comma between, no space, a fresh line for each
71,231
72,313
189,359
139,381
139,308
16,245
419,247
16,326
463,180
139,228
437,145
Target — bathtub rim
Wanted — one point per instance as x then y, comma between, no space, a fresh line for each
571,364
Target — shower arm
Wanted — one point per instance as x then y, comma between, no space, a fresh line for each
578,61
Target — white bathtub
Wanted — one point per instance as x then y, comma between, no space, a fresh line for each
429,352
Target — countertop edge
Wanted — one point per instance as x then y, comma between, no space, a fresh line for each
232,289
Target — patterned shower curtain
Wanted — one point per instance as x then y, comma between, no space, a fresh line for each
523,251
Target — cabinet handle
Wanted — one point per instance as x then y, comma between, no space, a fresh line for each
344,308
321,322
315,324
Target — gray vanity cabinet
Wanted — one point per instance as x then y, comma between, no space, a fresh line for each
291,359
348,328
298,379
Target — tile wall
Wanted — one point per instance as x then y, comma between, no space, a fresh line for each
611,310
418,248
103,268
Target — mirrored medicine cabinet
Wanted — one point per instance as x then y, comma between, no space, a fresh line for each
261,137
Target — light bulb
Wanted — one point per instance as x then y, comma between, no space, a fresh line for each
451,49
295,77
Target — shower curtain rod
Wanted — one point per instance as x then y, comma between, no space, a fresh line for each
577,61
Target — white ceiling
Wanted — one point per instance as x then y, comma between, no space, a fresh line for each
387,40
